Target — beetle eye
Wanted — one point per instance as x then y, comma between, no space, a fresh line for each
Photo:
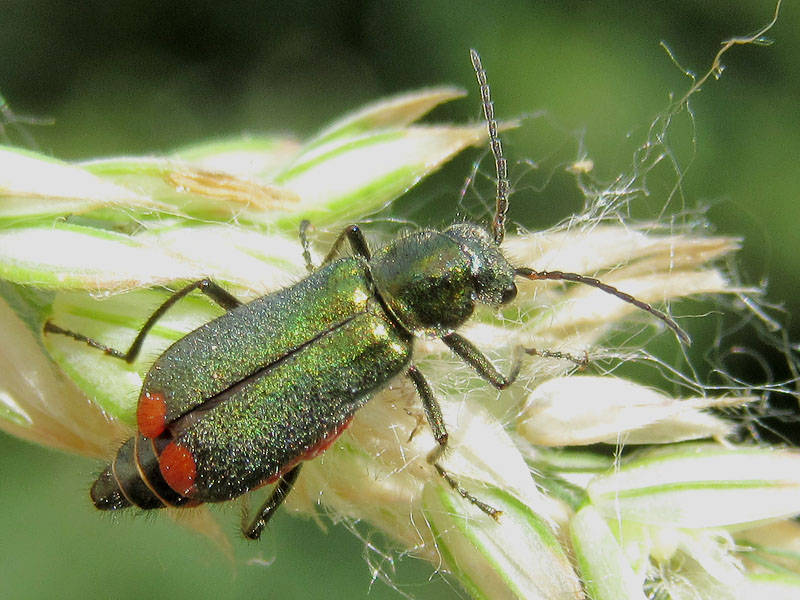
508,294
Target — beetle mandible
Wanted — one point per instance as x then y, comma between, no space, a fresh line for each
244,399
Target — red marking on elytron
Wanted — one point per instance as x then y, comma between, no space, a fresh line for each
178,468
312,452
151,414
325,442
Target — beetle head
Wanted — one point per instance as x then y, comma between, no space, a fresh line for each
492,274
430,280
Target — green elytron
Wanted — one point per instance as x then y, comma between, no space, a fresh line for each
241,401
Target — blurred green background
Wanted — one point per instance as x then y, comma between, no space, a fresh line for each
147,77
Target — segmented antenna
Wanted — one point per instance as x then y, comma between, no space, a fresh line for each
501,166
608,289
8,119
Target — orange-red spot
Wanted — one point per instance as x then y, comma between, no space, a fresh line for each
326,442
151,414
178,468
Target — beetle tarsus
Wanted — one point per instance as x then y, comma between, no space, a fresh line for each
489,510
581,361
305,225
50,327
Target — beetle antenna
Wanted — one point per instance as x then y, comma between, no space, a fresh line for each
608,289
501,166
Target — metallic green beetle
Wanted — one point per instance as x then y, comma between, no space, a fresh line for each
243,400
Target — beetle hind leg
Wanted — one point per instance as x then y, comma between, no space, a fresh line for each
252,528
213,290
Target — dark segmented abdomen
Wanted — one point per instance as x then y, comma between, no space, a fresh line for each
134,479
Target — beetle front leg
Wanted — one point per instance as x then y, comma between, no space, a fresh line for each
256,527
469,353
434,415
208,287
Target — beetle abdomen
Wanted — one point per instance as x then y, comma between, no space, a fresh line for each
134,479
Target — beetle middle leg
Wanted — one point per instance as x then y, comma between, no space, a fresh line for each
434,415
470,354
256,527
213,290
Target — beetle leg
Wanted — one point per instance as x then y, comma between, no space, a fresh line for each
208,287
434,415
581,361
469,353
305,224
351,233
276,498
